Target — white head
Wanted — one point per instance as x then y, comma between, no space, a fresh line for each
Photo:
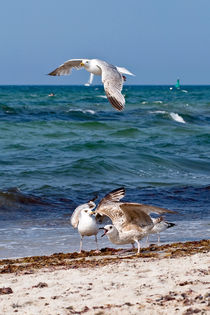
85,63
84,208
109,230
91,66
86,212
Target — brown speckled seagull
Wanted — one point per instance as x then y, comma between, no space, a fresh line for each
130,221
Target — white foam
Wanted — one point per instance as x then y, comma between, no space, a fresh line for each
89,111
177,118
184,91
102,96
159,112
84,111
158,102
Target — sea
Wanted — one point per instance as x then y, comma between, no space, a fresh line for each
57,152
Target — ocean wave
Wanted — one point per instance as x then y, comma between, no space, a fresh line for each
177,118
158,102
127,132
102,96
13,196
84,111
174,116
158,112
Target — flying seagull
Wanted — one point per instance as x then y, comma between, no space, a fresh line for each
84,220
112,77
130,221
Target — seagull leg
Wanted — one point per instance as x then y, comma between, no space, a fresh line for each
147,241
81,239
158,239
133,246
139,246
97,250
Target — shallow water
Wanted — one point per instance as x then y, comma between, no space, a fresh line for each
57,152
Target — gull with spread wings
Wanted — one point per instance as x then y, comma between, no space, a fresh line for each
130,221
83,219
112,77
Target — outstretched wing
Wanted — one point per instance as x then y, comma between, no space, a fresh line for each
145,208
66,67
135,215
139,213
76,214
109,206
113,82
113,196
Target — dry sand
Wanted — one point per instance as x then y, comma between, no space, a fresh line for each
172,280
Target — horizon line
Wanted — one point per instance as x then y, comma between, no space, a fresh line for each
98,85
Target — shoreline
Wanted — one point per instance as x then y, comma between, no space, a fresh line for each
172,278
105,256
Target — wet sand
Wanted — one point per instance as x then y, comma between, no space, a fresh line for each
170,279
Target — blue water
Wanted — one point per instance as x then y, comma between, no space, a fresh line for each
57,152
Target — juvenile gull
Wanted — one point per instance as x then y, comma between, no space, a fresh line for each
160,225
112,77
84,220
130,221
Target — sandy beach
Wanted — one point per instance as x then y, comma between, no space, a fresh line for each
170,279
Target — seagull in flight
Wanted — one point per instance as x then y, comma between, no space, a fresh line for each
84,220
130,221
112,77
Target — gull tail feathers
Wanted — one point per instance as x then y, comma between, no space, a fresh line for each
124,71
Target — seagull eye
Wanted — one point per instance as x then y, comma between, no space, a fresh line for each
110,227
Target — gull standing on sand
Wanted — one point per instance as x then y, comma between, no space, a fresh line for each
131,221
83,219
160,225
112,77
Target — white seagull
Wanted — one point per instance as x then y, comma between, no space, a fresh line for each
131,221
160,225
83,219
112,77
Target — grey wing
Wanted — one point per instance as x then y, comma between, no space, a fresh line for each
66,67
113,82
135,215
75,216
145,208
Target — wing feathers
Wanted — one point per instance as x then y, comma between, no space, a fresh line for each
66,67
137,217
114,95
145,208
114,196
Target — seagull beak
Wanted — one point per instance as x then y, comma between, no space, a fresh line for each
81,64
105,231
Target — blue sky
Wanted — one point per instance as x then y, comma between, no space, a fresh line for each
158,40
